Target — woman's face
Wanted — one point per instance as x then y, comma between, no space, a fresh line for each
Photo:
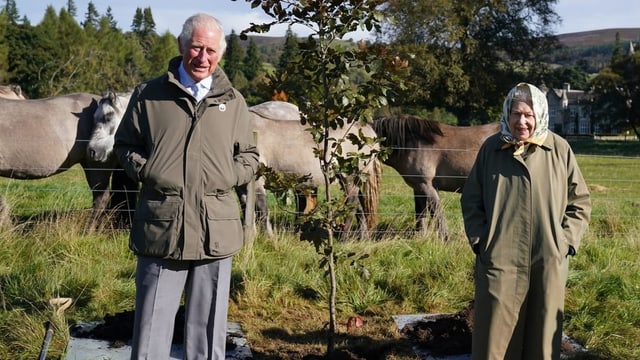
522,120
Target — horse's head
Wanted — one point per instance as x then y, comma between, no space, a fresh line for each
105,122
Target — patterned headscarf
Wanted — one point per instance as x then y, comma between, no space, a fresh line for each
540,109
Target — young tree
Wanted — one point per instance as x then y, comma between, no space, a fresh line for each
123,63
332,101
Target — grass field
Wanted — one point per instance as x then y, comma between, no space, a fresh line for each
278,290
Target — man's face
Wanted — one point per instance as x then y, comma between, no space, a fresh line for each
201,54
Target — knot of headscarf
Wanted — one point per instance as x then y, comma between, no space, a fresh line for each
541,111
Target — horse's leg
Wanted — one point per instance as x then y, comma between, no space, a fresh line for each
262,211
5,213
310,200
355,198
426,199
124,195
420,205
98,180
306,200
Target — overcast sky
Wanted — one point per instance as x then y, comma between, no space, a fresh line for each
577,15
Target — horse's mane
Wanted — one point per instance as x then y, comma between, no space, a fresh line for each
11,91
402,130
120,98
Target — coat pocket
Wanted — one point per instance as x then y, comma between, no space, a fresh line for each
155,227
224,228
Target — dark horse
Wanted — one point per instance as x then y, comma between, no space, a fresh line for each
43,137
431,156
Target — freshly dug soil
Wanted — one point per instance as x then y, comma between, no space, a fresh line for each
450,334
445,335
118,329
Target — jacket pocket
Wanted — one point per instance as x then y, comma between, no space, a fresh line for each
155,227
224,228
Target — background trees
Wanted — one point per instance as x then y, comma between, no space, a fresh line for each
63,55
60,55
616,91
464,54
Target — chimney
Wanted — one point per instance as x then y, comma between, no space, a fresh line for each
565,95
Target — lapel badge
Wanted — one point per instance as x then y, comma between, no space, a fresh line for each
222,107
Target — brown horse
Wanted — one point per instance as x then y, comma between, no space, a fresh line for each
431,156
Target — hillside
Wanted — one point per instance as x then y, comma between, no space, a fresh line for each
592,48
598,37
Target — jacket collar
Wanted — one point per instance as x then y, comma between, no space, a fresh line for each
187,81
221,90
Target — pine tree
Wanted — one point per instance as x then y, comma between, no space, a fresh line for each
11,11
291,84
148,24
163,49
234,57
138,19
4,48
618,54
290,50
112,22
71,8
91,17
252,61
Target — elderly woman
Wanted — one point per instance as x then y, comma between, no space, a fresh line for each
525,207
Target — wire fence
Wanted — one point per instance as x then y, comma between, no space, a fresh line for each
614,183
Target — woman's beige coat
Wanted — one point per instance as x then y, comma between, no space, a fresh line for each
523,213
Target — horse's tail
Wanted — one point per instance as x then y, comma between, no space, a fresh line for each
371,193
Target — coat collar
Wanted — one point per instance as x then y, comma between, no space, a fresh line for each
221,90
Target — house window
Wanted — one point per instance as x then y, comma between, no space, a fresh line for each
584,126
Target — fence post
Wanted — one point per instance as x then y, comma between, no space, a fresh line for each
250,206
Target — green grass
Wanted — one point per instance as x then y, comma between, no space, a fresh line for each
279,292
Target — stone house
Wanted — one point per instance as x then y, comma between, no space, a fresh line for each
569,111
